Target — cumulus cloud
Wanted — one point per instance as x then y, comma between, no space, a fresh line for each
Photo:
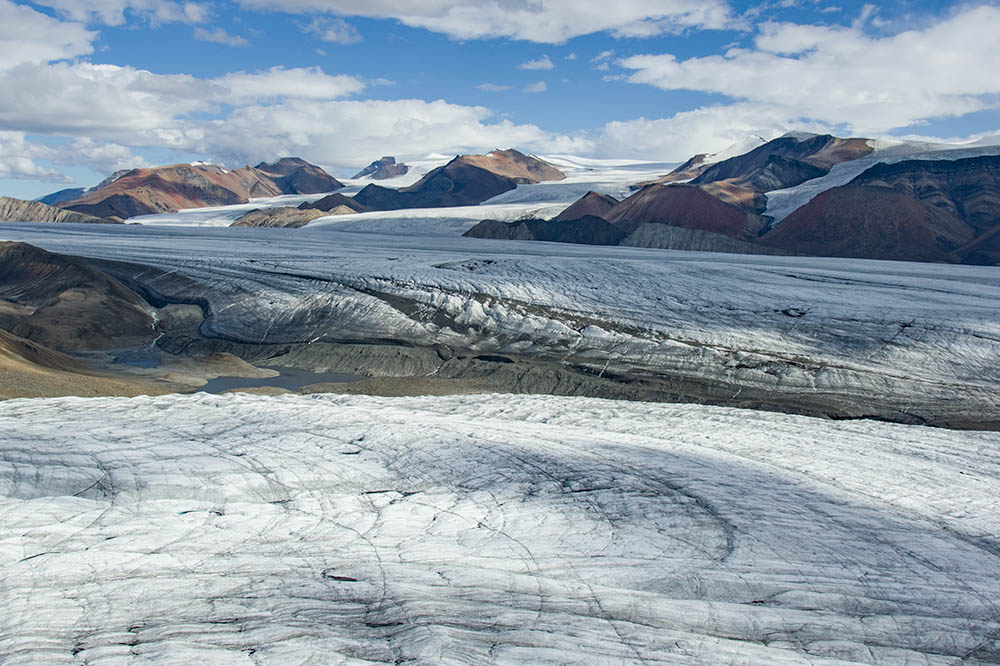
340,133
113,12
543,21
678,137
300,83
32,37
18,159
219,36
841,75
536,87
540,63
335,30
103,157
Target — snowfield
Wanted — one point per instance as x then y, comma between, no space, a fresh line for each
489,530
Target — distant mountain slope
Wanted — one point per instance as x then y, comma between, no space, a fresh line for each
592,203
383,169
56,198
781,163
293,175
967,188
465,181
725,194
685,206
18,210
925,210
286,217
872,223
333,203
171,188
587,230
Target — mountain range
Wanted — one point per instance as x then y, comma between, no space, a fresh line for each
171,188
919,209
800,193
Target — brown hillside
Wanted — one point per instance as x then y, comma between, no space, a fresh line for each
63,303
171,188
873,223
592,203
685,206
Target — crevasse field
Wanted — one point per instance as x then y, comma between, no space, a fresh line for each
514,529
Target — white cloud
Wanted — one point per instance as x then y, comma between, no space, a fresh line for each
113,12
300,83
129,105
32,37
100,156
219,36
341,133
493,87
543,21
571,56
537,87
841,75
18,159
335,30
540,63
704,130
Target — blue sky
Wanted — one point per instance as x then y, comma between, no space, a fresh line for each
108,84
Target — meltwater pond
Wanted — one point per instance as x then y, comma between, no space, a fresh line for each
290,379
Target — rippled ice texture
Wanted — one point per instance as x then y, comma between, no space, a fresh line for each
489,529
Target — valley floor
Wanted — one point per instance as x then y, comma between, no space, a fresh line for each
489,529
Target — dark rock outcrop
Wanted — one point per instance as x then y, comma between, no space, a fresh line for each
335,204
286,217
292,175
65,304
588,230
382,169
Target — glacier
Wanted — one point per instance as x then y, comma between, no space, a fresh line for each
489,530
901,340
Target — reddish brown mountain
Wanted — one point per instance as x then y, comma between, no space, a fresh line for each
592,203
685,206
872,223
784,162
983,250
465,181
171,188
967,188
921,210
